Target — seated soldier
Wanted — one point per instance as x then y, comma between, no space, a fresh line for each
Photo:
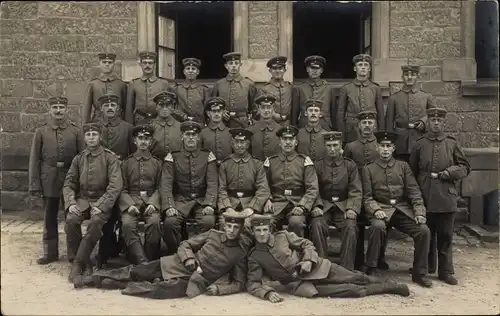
293,262
188,186
92,186
167,130
340,198
242,178
140,198
309,137
195,269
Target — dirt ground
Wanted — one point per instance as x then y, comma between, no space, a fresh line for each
29,289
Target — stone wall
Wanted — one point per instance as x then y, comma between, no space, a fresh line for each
263,29
49,48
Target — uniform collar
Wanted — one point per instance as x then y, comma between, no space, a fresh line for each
113,122
359,83
231,243
316,83
368,140
245,158
153,78
105,77
145,156
337,161
316,128
289,157
219,126
266,124
277,83
237,78
170,121
385,164
413,89
188,85
194,153
433,136
63,125
99,151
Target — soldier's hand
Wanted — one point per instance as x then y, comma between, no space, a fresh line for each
277,117
420,219
380,214
95,211
150,209
350,214
305,267
132,210
420,126
190,264
316,212
274,297
297,211
73,209
226,116
268,207
444,175
36,193
212,290
208,210
171,212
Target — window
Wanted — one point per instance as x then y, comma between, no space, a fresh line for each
335,30
487,39
203,30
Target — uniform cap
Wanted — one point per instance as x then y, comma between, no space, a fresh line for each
58,100
241,132
236,217
111,56
147,55
333,135
367,115
287,131
278,61
436,112
386,136
260,220
192,126
412,68
232,56
108,98
214,102
315,61
92,127
145,130
314,102
191,61
265,98
165,97
362,57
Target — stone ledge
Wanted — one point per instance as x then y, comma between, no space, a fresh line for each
486,235
480,88
387,70
482,158
459,69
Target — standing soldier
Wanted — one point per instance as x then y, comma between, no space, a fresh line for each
215,137
359,95
188,185
310,140
406,112
54,146
140,198
242,178
438,163
340,198
265,142
191,95
91,188
315,88
167,130
106,83
239,92
294,185
282,90
391,197
142,90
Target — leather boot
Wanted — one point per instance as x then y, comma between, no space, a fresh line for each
87,274
109,284
136,253
81,259
152,251
75,271
448,279
387,288
121,274
46,260
421,280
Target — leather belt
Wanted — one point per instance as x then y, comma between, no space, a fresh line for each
241,193
408,126
193,195
294,192
91,194
142,192
334,198
390,201
433,175
54,163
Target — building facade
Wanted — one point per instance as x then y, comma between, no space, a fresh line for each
49,48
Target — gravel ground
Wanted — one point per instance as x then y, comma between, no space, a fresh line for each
29,289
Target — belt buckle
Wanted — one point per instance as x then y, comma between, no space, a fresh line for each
239,194
434,175
335,198
144,194
193,195
411,125
288,192
60,164
392,201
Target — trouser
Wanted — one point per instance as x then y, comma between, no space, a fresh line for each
419,232
152,235
172,227
441,229
50,227
296,224
108,243
349,230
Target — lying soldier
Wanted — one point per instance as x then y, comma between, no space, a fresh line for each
193,270
294,262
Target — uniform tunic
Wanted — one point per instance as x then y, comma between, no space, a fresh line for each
283,91
103,84
217,139
117,137
362,151
167,136
191,99
311,142
265,142
320,90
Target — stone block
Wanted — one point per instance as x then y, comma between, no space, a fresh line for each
6,47
259,51
122,9
53,26
17,88
36,72
416,34
115,26
471,122
33,27
64,43
19,10
262,6
96,44
431,17
9,104
11,72
10,121
419,5
59,58
54,8
10,27
88,60
30,122
489,122
452,34
22,58
84,9
459,104
47,88
441,88
19,201
16,143
261,34
478,183
453,123
477,139
34,105
482,158
431,73
75,91
127,51
67,73
26,42
74,114
263,18
14,181
424,51
459,69
130,70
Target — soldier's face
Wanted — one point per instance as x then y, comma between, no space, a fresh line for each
314,72
436,124
191,72
288,143
410,78
266,110
164,110
366,127
142,141
57,111
92,139
215,114
261,233
240,145
190,140
277,72
233,66
106,65
333,148
110,109
385,149
313,114
147,66
232,230
362,68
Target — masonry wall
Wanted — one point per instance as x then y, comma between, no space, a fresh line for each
49,48
263,29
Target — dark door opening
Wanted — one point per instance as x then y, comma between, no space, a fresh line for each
203,30
333,30
487,39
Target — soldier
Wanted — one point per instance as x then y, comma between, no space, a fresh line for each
167,130
116,133
294,185
91,188
239,92
359,95
215,137
293,261
195,269
54,146
309,137
438,163
106,83
265,142
142,90
340,198
140,198
191,94
282,90
188,186
391,197
406,112
242,178
315,88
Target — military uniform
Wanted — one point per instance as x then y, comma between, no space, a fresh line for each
216,137
97,87
53,148
265,143
432,154
310,137
355,97
390,186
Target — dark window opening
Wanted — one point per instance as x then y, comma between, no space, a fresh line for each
487,39
203,30
334,30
